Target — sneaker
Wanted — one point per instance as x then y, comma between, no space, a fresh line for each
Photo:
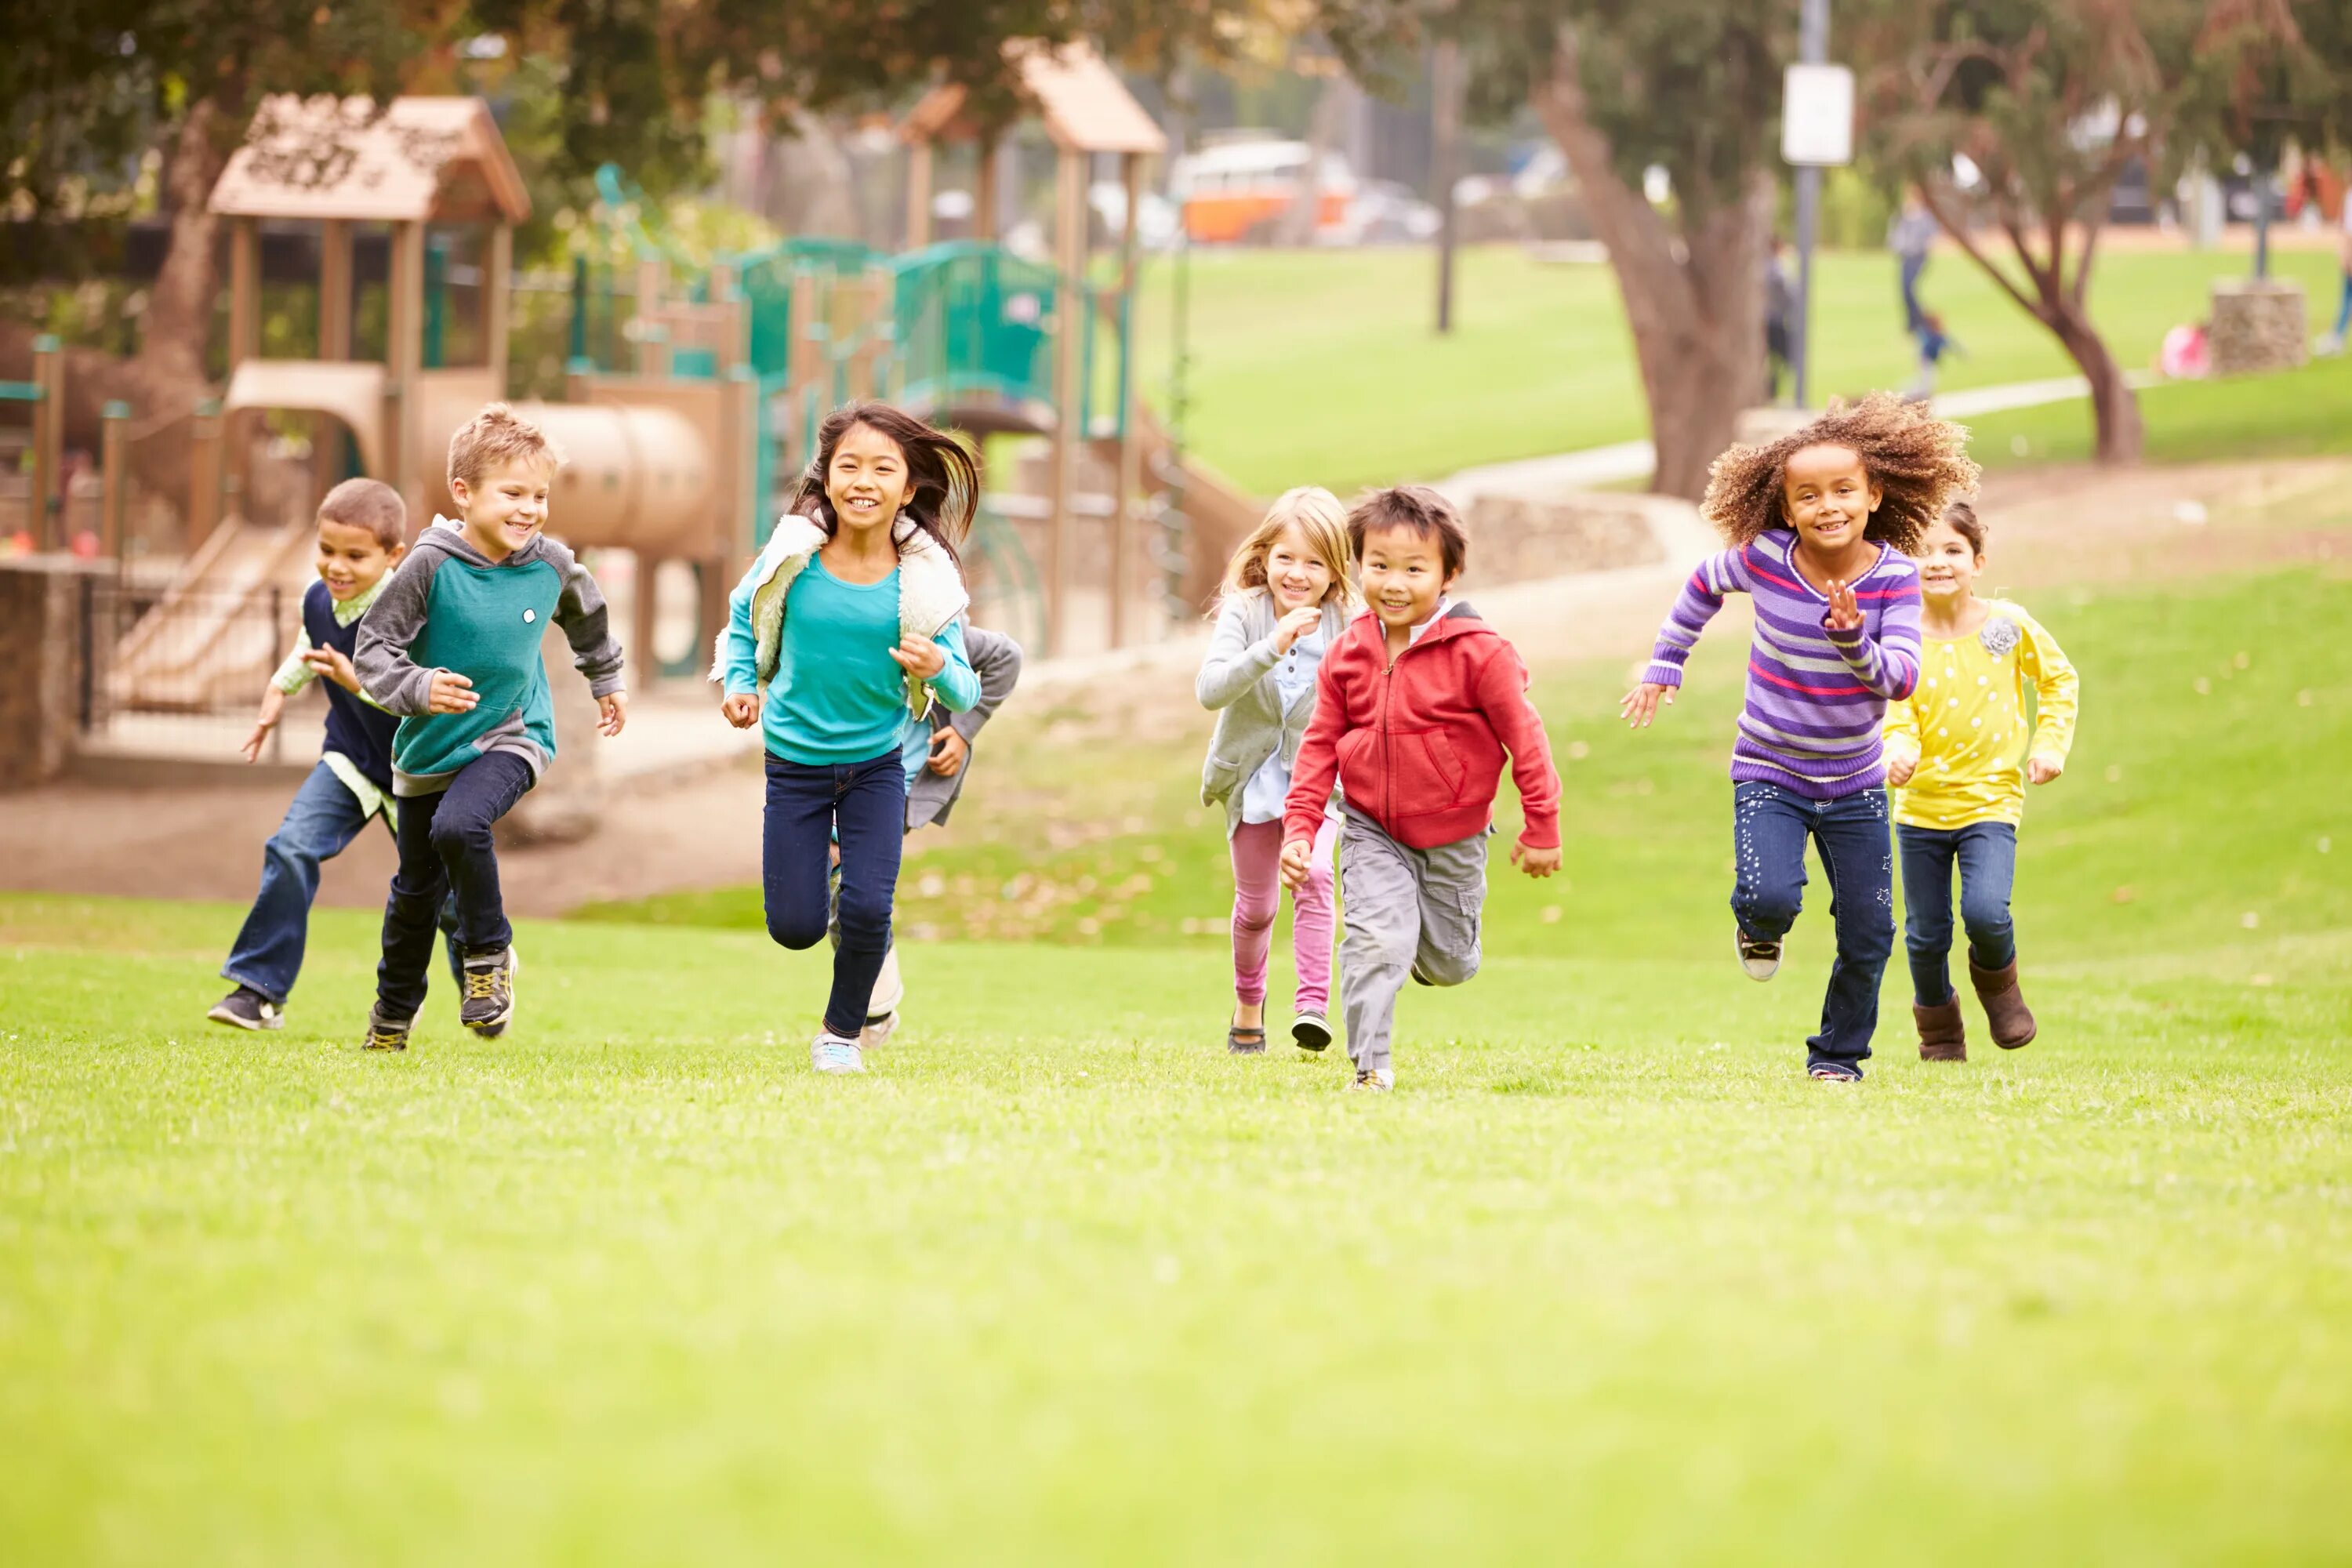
831,1053
877,1031
385,1034
489,1002
245,1008
1311,1030
1380,1079
1418,977
1760,960
1245,1040
1835,1072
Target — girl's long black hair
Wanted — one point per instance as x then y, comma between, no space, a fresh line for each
942,476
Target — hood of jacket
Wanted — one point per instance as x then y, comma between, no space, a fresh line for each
931,594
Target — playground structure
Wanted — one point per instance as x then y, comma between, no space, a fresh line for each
687,432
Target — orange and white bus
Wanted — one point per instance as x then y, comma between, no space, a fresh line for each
1231,190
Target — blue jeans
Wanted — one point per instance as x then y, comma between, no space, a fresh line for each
1770,825
321,821
864,805
445,850
1914,315
1986,853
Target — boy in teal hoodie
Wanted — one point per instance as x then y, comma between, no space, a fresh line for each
452,645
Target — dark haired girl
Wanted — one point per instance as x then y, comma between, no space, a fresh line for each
843,626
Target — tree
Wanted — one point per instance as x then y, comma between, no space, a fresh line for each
2048,102
1623,86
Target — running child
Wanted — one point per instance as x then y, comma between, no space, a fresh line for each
453,646
1819,521
363,534
937,750
1285,599
1960,754
843,626
1415,707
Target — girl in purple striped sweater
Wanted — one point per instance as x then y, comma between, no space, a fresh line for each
1819,523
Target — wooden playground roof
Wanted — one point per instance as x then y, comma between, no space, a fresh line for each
1084,105
324,157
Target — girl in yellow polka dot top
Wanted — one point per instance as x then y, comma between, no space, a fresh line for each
1960,751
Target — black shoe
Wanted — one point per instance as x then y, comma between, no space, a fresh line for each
385,1034
489,1001
245,1008
1311,1030
1246,1041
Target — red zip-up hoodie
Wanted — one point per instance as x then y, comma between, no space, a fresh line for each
1417,743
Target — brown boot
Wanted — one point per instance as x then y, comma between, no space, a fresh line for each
1943,1036
2004,1004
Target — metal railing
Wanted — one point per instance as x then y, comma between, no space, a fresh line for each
180,672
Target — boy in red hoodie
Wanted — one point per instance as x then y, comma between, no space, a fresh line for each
1416,704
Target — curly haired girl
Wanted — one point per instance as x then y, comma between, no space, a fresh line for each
1819,523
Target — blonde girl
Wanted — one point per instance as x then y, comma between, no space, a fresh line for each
1960,755
1286,595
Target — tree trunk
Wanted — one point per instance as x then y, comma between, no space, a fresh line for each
1693,301
2115,407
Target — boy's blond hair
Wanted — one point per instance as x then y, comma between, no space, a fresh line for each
1318,515
496,437
371,504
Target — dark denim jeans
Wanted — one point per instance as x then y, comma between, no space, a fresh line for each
1986,853
445,848
864,805
1770,827
321,822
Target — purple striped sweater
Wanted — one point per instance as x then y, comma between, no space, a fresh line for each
1815,697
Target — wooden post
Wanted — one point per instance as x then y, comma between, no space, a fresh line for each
204,473
1069,325
1127,483
244,291
498,280
984,194
335,290
918,195
644,615
113,476
404,358
48,520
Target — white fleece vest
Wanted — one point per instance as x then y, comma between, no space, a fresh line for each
930,595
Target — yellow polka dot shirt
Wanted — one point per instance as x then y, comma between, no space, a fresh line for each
1966,723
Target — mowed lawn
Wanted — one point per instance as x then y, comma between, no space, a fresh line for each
1323,367
1606,1279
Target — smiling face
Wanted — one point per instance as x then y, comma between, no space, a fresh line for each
1404,575
1949,564
1295,573
506,506
351,560
1827,495
867,481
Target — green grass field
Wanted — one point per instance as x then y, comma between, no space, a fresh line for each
1321,367
1606,1279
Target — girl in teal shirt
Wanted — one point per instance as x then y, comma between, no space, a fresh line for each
844,627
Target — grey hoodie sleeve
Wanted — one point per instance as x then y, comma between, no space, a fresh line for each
388,677
579,611
1233,664
996,660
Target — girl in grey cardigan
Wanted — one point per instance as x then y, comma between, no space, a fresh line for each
1286,595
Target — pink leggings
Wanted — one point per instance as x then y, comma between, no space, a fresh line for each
1257,894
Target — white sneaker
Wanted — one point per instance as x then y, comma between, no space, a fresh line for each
830,1053
1380,1079
877,1031
889,986
1759,960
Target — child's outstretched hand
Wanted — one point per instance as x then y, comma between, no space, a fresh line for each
1296,625
612,714
1297,860
1535,862
920,656
451,693
1845,610
2042,770
1641,703
741,708
335,666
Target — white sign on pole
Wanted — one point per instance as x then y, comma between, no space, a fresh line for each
1817,116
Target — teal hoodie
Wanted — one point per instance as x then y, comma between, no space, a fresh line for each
451,607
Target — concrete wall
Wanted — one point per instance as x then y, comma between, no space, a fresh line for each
40,654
